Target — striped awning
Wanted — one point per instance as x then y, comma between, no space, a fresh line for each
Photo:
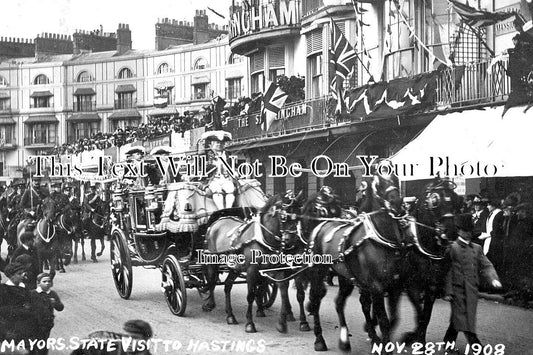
42,119
163,111
84,117
125,88
203,79
84,91
41,94
125,115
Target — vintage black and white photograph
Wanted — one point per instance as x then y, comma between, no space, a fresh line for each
266,177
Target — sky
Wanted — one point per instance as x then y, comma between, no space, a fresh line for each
27,18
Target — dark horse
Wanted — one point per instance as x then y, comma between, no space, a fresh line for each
275,230
373,252
68,230
95,225
47,243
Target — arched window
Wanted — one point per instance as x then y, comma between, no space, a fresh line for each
125,73
3,81
235,58
201,63
41,79
84,76
163,68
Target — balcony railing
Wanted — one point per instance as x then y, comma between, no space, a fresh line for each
42,105
472,85
84,106
477,83
40,140
125,104
199,96
5,107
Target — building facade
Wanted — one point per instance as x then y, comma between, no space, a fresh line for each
47,100
400,46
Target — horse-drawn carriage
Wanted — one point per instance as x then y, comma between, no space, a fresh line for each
163,227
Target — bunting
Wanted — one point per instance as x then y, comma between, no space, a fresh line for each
479,18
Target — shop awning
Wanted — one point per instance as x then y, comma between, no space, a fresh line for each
125,88
472,139
41,94
84,117
164,85
7,121
42,119
125,115
84,91
163,111
203,79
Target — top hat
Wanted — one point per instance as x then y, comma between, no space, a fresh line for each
135,149
138,327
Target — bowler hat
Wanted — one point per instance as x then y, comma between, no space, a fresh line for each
135,149
13,268
464,222
138,327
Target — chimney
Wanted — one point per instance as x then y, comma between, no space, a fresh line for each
201,27
123,38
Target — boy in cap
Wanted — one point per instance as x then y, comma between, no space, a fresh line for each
45,301
467,263
32,260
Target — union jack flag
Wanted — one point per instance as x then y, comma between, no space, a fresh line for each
341,62
479,18
273,100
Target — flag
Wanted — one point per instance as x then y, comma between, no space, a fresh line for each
216,13
273,100
341,62
479,18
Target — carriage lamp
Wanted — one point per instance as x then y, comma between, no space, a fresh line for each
118,201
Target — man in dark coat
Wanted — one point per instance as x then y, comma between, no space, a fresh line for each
17,317
479,217
60,199
27,248
32,197
468,263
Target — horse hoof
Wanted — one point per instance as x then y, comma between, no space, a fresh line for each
304,327
282,328
99,254
260,313
345,346
321,346
208,307
62,271
231,320
250,328
83,258
290,318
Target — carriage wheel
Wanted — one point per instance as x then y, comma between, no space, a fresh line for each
269,295
121,265
173,285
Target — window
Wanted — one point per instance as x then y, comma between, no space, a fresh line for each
3,81
125,73
163,68
258,82
199,91
4,104
41,133
200,64
41,79
125,100
316,70
84,103
234,58
77,130
234,89
7,134
399,49
164,95
276,63
41,102
275,74
84,76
